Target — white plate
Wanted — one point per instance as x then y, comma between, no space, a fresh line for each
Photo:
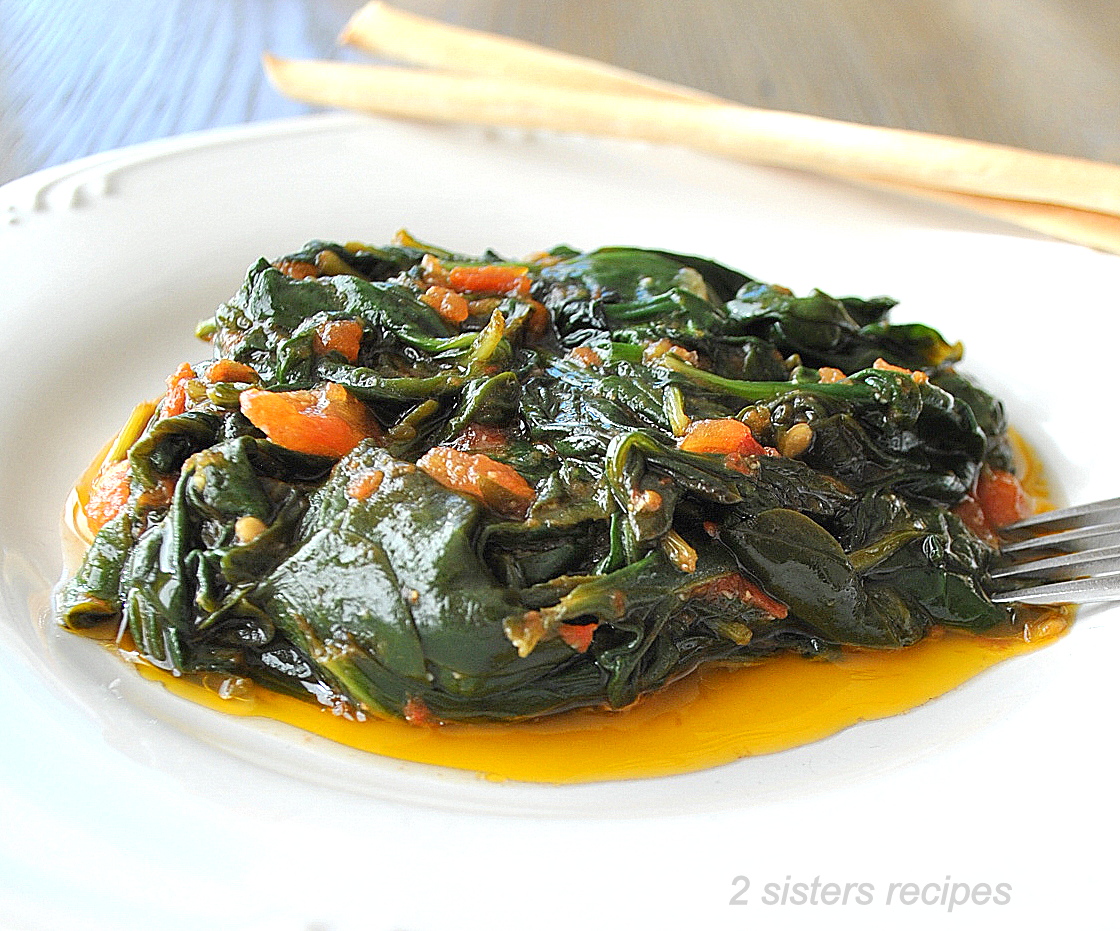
123,807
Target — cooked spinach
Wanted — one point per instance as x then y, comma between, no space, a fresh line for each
423,484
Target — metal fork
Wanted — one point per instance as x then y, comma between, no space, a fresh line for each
1072,554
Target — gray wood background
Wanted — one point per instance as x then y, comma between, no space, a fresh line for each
81,76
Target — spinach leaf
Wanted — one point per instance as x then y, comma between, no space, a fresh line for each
569,385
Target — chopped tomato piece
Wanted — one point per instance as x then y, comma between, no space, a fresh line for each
450,305
970,512
159,496
726,435
739,587
175,401
433,273
577,636
664,347
417,713
919,378
830,376
539,317
493,279
496,483
478,436
226,370
760,599
108,494
586,356
326,421
364,484
1002,498
297,270
341,336
645,501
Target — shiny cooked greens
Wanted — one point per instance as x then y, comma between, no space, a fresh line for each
561,543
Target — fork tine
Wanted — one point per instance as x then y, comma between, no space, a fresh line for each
1080,591
1080,515
1081,541
1093,536
1076,539
1080,563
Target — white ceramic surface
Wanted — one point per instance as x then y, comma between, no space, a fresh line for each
123,807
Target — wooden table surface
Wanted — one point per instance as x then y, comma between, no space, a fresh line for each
82,76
